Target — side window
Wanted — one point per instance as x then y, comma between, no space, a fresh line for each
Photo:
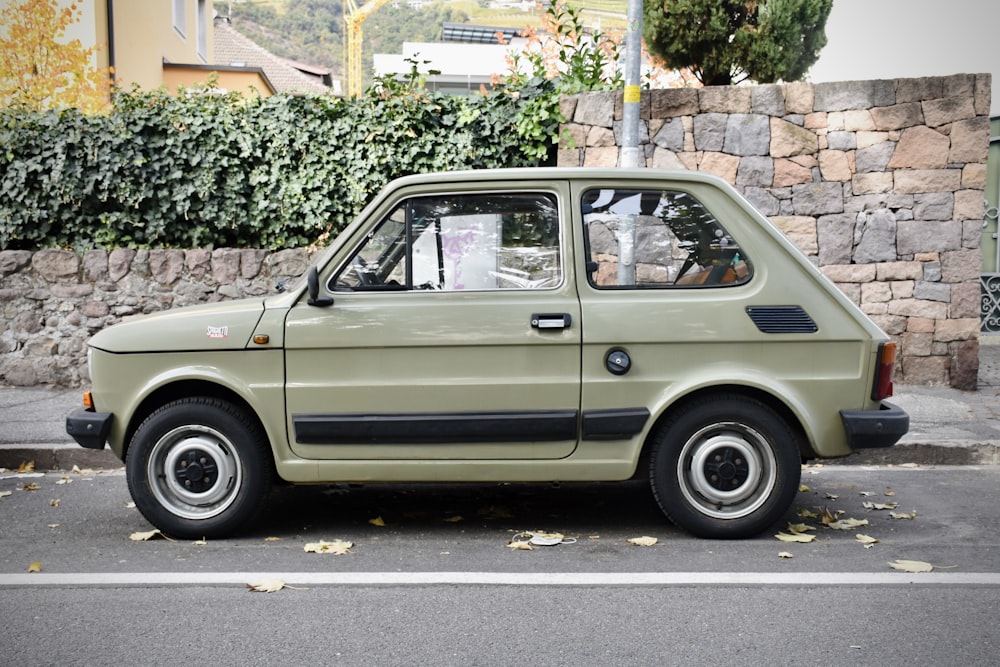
460,242
657,239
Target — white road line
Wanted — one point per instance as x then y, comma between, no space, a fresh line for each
148,579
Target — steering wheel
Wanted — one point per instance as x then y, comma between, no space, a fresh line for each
366,277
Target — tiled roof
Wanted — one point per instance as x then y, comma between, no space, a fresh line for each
232,48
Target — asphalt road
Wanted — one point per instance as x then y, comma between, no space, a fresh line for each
438,584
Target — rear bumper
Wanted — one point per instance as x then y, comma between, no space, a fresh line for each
89,429
870,429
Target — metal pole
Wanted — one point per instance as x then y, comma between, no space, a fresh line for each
630,154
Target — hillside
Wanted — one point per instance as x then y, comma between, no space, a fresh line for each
311,31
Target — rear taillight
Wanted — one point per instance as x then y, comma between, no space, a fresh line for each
882,387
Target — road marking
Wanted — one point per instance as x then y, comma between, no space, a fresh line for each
146,579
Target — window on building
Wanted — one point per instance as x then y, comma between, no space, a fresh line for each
179,17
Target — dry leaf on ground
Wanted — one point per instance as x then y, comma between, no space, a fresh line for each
911,566
35,567
902,515
847,524
455,519
26,466
644,541
880,506
144,536
267,586
800,527
377,521
4,494
786,554
520,545
804,488
336,547
795,537
30,487
806,513
866,540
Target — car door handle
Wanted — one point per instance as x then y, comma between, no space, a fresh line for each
551,320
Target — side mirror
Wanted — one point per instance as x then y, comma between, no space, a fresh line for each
312,281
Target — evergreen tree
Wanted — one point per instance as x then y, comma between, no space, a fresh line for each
728,41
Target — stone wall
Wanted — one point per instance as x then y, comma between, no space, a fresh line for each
880,183
54,300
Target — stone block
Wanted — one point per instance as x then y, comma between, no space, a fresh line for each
567,105
842,141
932,267
961,266
872,183
834,165
95,265
917,344
799,97
768,100
894,325
965,300
251,262
974,176
710,131
948,330
875,237
928,236
816,199
919,308
787,172
756,171
835,237
972,234
724,99
225,265
918,90
722,165
817,121
762,199
947,110
800,230
666,159
850,273
166,266
970,140
927,180
843,95
964,370
747,134
56,265
921,148
920,325
867,139
983,91
601,156
934,206
876,292
858,120
932,291
788,139
596,108
672,102
599,136
898,116
120,263
901,289
670,135
874,158
925,370
899,271
643,105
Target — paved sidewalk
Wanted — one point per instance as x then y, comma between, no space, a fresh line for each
947,426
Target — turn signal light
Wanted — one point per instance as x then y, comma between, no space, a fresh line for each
882,387
88,400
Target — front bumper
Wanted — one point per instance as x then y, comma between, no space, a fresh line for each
89,429
870,429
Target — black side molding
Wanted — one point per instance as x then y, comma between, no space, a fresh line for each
620,424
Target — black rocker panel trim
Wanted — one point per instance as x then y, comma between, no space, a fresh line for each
620,424
427,428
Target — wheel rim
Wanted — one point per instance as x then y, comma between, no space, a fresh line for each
194,472
727,470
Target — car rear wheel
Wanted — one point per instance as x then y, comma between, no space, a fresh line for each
725,467
198,467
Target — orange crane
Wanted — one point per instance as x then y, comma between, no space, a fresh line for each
354,16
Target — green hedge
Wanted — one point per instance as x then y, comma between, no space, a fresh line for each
202,170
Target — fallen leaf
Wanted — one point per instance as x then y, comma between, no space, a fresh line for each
901,515
4,494
847,524
336,547
520,545
377,521
64,480
54,525
200,543
272,539
866,540
35,567
832,496
890,492
141,536
30,487
455,519
795,537
866,493
26,466
54,502
786,554
911,566
130,506
267,586
806,513
800,527
803,488
880,506
644,541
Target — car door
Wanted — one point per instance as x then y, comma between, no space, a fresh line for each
454,334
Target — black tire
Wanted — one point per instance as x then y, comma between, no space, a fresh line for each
725,467
228,453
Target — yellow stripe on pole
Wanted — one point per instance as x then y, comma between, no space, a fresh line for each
632,94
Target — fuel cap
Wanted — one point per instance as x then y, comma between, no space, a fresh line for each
618,362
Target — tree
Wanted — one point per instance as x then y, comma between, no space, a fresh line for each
39,69
728,41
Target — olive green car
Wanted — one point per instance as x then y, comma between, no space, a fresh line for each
509,325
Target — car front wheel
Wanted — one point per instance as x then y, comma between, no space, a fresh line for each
198,467
725,467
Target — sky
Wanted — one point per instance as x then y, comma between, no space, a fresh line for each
888,39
